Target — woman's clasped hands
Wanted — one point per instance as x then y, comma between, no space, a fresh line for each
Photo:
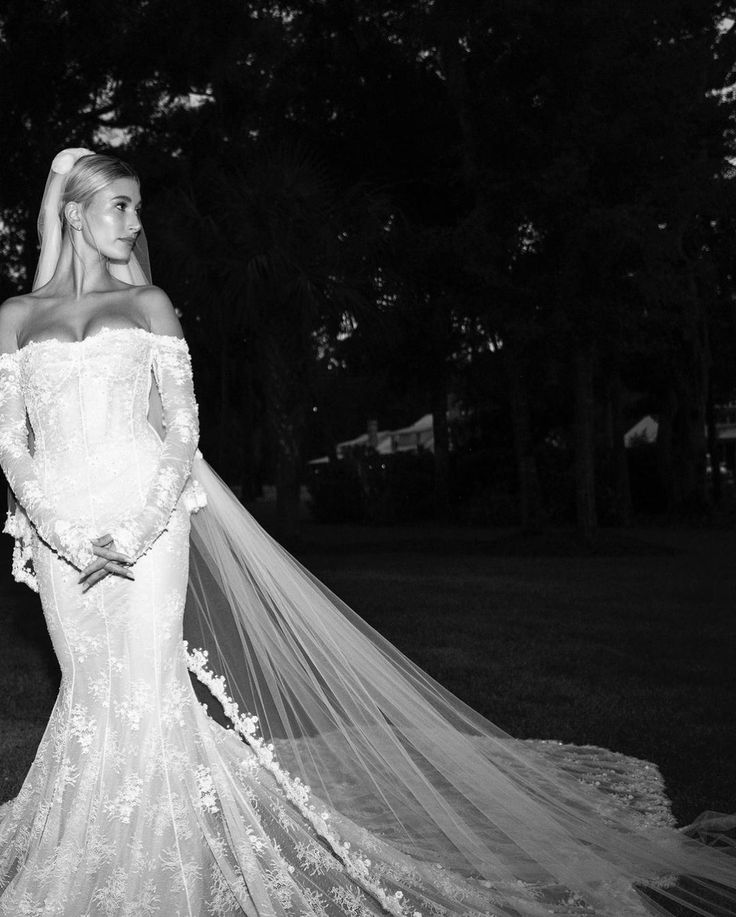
108,561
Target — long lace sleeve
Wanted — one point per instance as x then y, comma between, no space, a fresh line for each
172,367
69,539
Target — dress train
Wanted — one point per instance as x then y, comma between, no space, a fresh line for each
347,781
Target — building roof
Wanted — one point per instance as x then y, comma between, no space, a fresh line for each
405,439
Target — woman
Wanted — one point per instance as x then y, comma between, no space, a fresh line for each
352,783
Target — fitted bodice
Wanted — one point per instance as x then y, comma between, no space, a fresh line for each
88,404
86,395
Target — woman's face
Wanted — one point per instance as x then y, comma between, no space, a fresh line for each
111,221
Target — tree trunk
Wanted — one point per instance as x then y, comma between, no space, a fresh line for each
286,411
252,454
585,441
222,431
715,465
530,492
287,483
621,483
441,432
694,380
666,450
699,440
690,445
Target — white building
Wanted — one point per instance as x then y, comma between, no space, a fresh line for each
419,435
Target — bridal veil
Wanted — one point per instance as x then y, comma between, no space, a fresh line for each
340,716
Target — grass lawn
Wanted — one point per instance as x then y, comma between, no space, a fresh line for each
630,647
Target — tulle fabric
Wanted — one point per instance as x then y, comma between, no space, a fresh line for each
361,787
350,783
138,804
379,740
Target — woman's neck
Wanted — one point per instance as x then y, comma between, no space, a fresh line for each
80,270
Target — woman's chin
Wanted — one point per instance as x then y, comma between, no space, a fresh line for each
118,259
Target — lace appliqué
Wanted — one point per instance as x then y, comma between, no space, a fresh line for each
194,495
172,368
70,539
18,525
357,866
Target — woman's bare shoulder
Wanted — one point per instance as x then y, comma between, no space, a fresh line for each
13,315
158,310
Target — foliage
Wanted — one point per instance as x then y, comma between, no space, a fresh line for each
364,197
368,487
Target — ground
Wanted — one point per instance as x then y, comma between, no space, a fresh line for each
629,646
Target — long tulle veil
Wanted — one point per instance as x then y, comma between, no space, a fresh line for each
374,736
344,721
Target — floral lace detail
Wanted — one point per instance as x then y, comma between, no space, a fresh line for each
138,804
134,529
68,537
172,365
313,857
18,525
194,495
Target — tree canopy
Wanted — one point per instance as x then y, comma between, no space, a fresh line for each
362,207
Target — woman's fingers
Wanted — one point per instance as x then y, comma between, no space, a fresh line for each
91,569
105,563
104,546
109,554
119,570
108,569
94,578
102,540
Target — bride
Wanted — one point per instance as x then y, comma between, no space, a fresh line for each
345,781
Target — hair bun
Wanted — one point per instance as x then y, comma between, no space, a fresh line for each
64,161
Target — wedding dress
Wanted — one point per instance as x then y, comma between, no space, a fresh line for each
348,783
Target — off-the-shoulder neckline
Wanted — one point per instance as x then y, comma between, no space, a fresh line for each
105,331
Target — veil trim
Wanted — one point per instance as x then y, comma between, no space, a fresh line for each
344,714
339,715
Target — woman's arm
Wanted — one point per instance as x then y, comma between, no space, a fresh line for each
173,371
69,539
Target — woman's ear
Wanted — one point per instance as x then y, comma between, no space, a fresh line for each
72,215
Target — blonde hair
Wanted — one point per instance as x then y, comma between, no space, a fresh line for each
91,174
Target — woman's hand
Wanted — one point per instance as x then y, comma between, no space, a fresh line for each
108,561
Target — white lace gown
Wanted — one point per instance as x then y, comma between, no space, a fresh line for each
137,802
